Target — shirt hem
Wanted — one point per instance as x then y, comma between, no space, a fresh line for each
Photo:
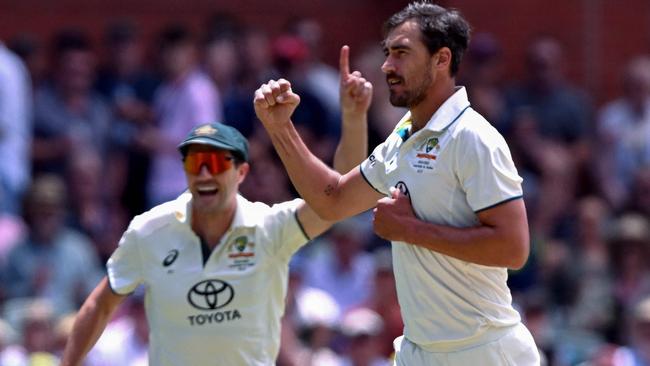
490,335
367,181
302,229
499,203
110,286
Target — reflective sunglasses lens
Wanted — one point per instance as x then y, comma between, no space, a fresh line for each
216,162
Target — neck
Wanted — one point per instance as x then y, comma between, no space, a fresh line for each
439,93
211,226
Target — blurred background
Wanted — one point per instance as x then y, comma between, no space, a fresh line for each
95,95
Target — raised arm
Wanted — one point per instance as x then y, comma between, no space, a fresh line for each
355,96
90,323
331,195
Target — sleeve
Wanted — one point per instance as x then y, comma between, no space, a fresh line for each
485,169
124,267
373,169
284,230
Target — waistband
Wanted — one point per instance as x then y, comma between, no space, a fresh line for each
490,335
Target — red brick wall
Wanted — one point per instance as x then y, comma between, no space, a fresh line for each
599,35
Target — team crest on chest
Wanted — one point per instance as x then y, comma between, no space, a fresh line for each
431,144
241,252
426,155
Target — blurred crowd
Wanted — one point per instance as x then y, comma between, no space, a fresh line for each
88,135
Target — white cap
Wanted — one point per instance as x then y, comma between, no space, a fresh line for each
642,310
361,321
316,307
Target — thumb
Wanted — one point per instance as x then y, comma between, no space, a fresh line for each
288,97
394,192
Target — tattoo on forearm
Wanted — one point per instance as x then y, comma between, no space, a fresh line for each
329,190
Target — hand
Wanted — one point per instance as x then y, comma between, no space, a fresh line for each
355,91
391,216
275,102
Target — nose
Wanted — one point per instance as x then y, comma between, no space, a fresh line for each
205,172
387,67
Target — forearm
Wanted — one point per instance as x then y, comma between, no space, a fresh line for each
314,180
484,245
89,324
353,146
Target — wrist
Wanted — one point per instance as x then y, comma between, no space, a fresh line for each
278,126
354,116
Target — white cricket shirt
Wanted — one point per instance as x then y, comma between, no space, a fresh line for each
454,167
226,312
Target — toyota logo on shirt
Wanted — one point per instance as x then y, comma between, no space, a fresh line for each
210,295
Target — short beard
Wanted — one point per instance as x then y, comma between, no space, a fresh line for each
412,98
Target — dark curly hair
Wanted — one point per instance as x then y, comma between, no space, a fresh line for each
440,27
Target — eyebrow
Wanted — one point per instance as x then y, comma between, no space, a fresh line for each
396,47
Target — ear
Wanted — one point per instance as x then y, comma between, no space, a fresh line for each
442,58
242,171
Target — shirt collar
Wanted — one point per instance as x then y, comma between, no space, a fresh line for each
184,208
449,111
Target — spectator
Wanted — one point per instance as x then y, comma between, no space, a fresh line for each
362,327
255,66
383,301
561,112
38,332
593,309
54,262
317,318
15,130
630,248
557,116
290,55
640,331
221,60
341,267
69,116
481,76
31,51
624,132
126,340
125,82
320,79
92,211
639,200
11,351
186,98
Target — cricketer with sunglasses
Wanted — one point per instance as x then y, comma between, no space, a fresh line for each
214,265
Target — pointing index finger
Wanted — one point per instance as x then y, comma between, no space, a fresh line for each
344,62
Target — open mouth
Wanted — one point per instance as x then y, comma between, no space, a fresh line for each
207,191
393,80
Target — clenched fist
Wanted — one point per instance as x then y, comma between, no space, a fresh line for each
275,102
392,215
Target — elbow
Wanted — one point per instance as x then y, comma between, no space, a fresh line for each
328,213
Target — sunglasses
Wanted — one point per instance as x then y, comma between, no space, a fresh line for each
216,161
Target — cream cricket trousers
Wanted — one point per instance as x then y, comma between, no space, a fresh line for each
515,348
